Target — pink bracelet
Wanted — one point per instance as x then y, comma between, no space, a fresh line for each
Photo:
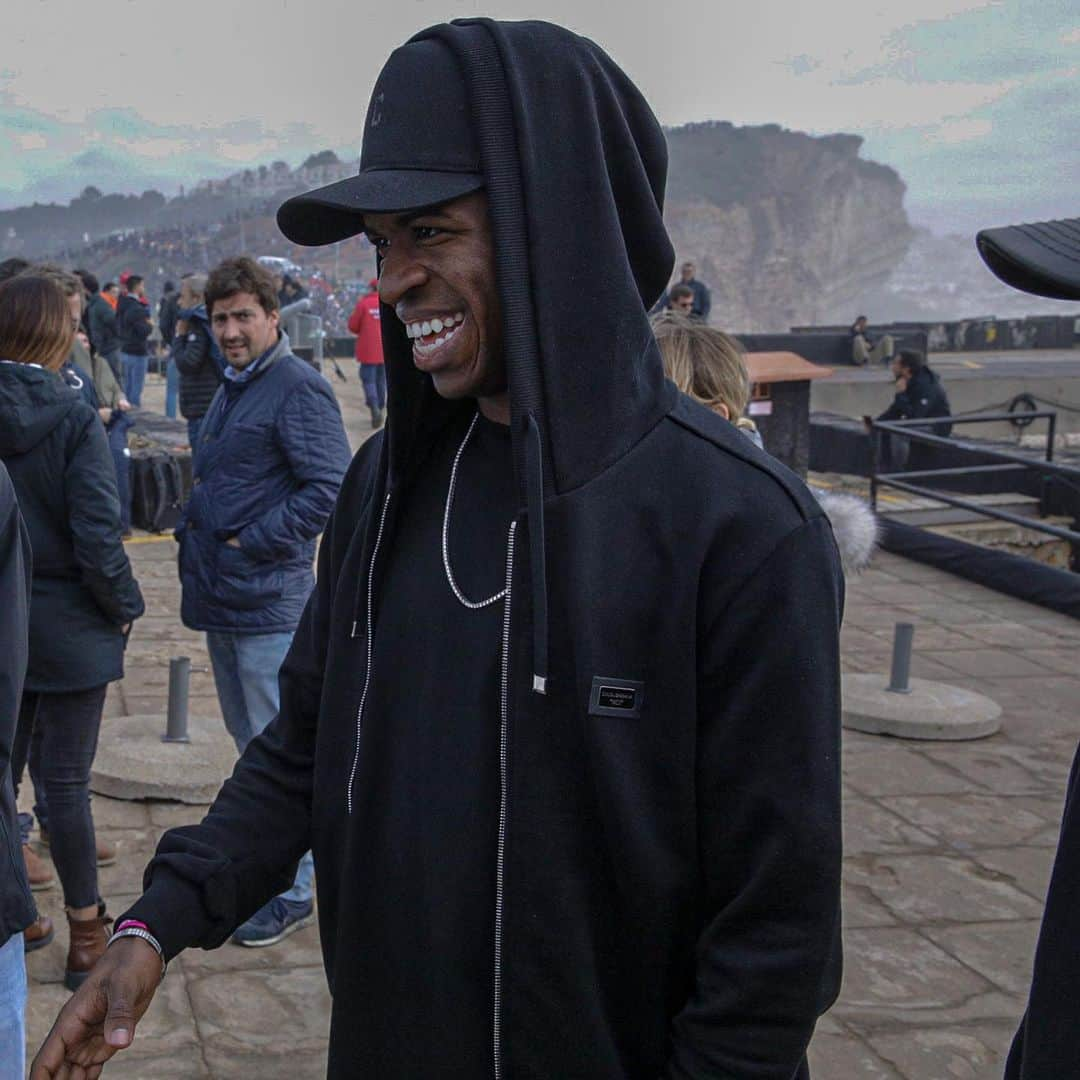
133,922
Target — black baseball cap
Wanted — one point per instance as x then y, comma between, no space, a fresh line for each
418,151
1042,258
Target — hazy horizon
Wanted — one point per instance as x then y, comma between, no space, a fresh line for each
975,103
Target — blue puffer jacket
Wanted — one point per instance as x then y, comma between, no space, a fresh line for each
272,454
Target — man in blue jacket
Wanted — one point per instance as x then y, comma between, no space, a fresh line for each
271,456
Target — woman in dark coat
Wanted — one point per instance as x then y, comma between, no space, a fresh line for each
83,596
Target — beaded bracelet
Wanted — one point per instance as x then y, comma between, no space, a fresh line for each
133,928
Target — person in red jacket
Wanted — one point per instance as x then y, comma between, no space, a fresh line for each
364,323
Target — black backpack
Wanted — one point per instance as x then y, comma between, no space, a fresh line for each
157,490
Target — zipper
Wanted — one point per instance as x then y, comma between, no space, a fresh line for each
367,673
504,790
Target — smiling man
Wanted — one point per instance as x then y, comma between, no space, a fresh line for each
561,718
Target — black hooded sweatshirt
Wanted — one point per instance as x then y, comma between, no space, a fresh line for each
665,853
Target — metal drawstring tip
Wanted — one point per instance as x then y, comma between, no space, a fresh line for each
540,684
353,633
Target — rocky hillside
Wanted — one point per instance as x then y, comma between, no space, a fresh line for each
785,228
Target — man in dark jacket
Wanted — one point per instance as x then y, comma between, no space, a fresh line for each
268,462
561,718
101,324
133,329
16,905
168,308
919,394
198,359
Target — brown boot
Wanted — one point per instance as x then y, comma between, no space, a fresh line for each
106,852
38,934
37,870
88,940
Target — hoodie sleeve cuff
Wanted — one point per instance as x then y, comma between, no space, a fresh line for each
173,910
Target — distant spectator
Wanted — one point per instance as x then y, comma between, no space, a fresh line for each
864,349
364,322
701,303
681,301
264,485
702,296
919,394
133,327
291,291
84,594
167,312
197,356
167,308
101,324
110,293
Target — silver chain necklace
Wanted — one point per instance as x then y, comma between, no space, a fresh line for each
472,605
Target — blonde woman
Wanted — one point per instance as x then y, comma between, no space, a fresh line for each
708,365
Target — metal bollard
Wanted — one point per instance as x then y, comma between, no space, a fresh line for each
901,659
176,723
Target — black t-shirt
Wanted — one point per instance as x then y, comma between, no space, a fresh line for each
430,829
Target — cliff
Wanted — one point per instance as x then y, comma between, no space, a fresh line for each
785,228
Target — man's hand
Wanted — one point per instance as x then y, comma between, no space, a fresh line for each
233,542
181,326
105,414
123,404
101,1016
901,383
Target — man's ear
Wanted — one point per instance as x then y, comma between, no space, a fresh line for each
723,410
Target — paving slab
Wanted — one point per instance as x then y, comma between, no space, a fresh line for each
895,767
899,969
1002,954
970,1052
972,821
847,1056
932,888
277,1013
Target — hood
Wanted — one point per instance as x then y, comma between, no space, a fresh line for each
575,164
33,402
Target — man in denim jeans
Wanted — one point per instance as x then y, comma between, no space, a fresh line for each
16,907
133,328
271,455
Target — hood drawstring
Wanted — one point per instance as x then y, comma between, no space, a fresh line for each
534,494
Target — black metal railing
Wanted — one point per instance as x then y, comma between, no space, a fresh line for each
1006,461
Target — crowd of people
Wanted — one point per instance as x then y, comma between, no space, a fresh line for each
557,720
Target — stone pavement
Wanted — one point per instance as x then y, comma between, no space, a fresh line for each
948,851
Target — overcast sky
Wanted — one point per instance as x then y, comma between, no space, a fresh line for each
975,102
